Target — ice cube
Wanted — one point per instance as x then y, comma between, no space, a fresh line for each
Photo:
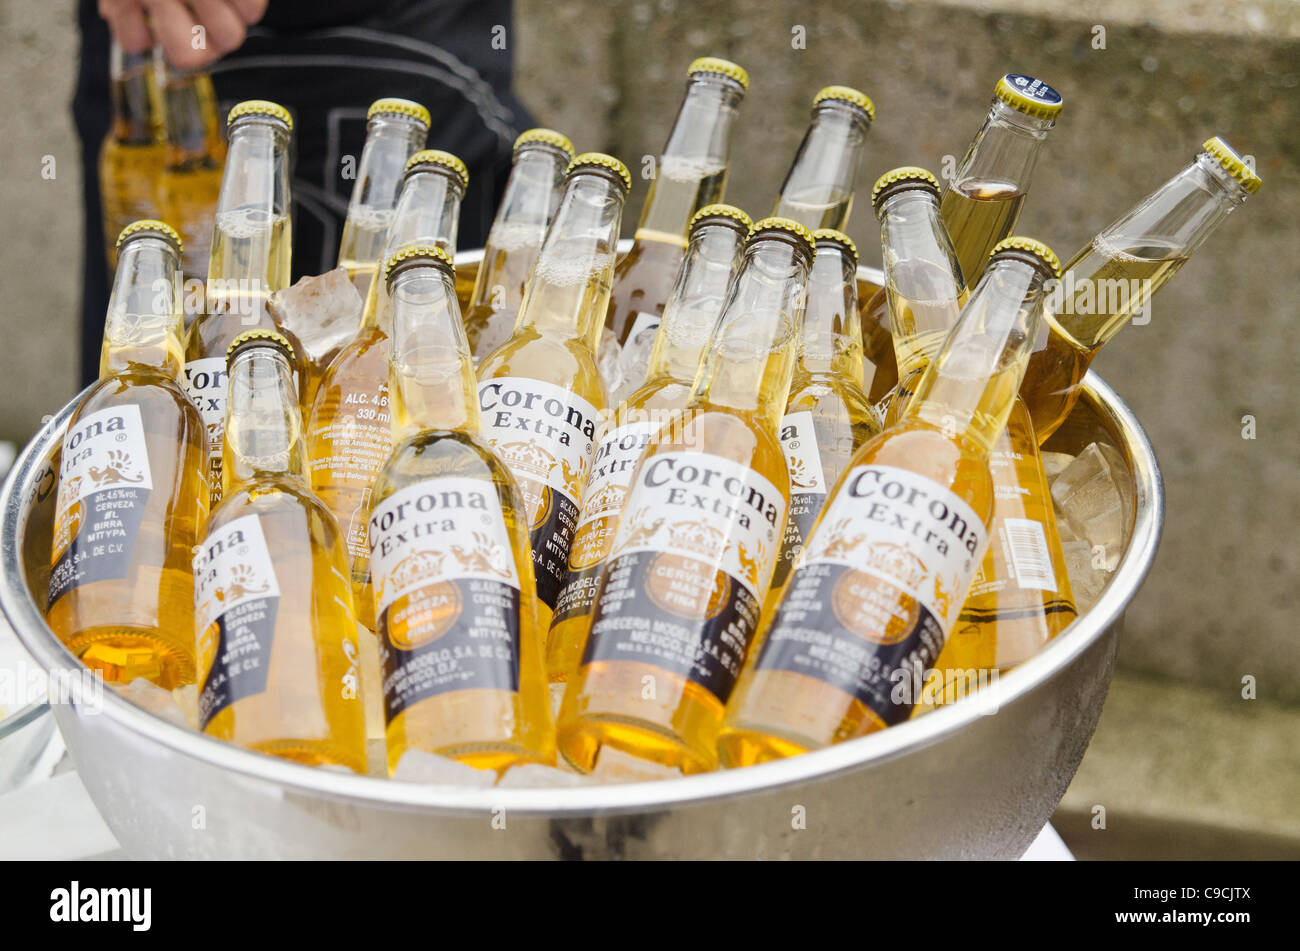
1095,495
322,312
615,766
149,696
372,682
557,695
535,775
1054,463
376,756
1086,579
417,766
607,361
187,698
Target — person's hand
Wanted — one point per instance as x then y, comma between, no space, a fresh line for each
175,26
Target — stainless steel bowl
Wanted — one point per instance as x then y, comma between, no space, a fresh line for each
956,783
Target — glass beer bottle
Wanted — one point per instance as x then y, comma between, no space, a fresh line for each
680,595
195,156
459,646
818,189
133,156
132,497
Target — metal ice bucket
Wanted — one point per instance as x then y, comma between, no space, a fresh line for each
960,782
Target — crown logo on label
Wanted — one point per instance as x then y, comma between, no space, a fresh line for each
698,539
527,458
606,497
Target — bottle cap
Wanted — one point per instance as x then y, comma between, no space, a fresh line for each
607,162
849,95
399,107
906,176
255,337
151,227
839,238
547,136
1031,96
418,255
1226,156
721,212
723,67
260,107
1029,246
439,159
785,225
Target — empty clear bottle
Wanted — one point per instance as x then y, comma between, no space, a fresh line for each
818,189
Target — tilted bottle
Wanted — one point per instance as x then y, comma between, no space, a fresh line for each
540,394
133,156
1114,277
132,497
818,189
717,236
872,599
349,431
924,290
395,130
680,596
691,173
195,156
827,416
459,646
532,194
249,261
277,639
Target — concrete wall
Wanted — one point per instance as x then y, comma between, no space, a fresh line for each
1221,601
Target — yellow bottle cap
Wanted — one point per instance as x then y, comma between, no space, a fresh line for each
152,227
548,137
911,174
440,159
1031,96
249,337
788,225
1029,246
831,236
1232,163
721,211
847,94
723,67
260,107
418,255
601,160
399,107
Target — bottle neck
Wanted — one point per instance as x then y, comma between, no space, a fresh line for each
831,343
390,141
431,382
750,362
263,436
695,303
568,292
1115,276
692,171
193,135
818,190
1003,152
923,279
968,388
142,329
137,113
531,196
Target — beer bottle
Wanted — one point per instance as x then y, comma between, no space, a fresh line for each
249,259
827,416
539,392
531,197
133,155
395,130
348,431
458,643
717,236
877,589
680,595
691,173
1116,275
818,189
195,156
277,647
132,497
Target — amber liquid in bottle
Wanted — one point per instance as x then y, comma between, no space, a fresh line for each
132,497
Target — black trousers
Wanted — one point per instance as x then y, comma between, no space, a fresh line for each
326,61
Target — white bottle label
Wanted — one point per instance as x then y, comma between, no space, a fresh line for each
807,488
207,385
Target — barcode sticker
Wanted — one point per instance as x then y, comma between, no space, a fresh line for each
1029,555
